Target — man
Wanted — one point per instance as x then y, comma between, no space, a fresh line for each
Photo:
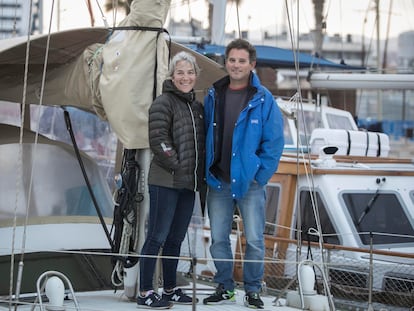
244,143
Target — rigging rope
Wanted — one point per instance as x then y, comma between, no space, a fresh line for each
115,4
297,99
102,15
19,176
90,11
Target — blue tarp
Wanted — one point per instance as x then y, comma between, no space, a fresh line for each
268,56
395,129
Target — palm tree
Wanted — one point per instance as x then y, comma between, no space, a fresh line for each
122,4
126,4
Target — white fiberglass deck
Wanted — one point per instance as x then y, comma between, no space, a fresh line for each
116,301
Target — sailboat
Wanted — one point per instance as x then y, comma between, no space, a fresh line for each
329,169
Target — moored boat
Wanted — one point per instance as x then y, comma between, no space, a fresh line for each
337,211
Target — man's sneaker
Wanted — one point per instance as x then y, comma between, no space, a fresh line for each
220,296
177,296
153,301
252,300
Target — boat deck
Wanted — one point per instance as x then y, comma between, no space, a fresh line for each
119,302
109,300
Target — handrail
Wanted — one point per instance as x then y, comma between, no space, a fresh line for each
41,287
344,248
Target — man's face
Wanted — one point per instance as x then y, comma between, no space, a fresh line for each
238,65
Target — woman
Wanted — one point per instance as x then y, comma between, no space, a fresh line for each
176,136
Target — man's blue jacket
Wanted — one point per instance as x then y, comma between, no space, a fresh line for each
257,138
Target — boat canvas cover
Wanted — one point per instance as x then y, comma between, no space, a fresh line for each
112,78
65,81
274,57
121,71
131,58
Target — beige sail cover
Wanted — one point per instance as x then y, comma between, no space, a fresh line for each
130,59
114,79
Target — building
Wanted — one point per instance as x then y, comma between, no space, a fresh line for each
15,18
406,50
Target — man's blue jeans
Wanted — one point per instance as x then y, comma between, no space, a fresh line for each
220,205
169,216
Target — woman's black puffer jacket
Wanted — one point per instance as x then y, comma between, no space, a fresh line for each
176,137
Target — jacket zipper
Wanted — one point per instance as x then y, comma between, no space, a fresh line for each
195,145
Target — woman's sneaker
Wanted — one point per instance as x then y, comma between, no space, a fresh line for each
252,300
153,301
177,296
220,296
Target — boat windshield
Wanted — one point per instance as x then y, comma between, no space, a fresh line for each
308,221
287,132
52,183
379,213
376,212
336,121
307,122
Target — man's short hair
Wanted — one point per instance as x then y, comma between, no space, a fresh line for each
241,44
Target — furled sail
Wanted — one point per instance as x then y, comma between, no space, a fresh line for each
135,62
109,72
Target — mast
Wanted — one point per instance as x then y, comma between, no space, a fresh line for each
377,4
379,94
218,21
319,26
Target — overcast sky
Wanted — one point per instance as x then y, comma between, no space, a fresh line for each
342,16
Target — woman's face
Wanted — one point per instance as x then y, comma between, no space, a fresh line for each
184,76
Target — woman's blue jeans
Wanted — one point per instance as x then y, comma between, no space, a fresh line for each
220,205
169,216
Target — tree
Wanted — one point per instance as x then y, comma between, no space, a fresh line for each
126,4
121,4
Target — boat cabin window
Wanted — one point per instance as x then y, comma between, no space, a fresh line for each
9,113
308,219
287,132
272,204
336,121
57,186
308,121
93,135
381,214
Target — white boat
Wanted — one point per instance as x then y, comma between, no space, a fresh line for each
342,187
345,193
363,202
